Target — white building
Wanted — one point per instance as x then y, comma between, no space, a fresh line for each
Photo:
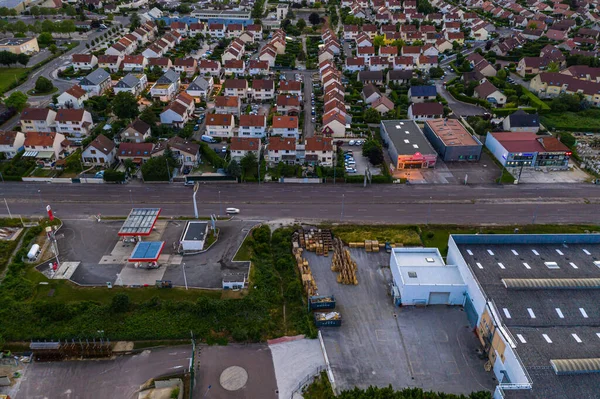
194,236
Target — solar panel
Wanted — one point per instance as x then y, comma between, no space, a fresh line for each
139,222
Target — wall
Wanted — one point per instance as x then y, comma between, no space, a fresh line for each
391,148
310,180
453,153
420,293
496,148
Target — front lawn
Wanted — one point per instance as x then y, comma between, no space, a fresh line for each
10,76
583,121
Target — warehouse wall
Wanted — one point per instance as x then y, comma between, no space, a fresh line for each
496,149
417,294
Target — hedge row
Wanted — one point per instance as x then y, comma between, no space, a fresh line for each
536,102
211,156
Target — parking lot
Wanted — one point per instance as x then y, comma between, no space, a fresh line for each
432,348
101,257
361,162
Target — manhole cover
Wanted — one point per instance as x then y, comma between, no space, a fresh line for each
233,378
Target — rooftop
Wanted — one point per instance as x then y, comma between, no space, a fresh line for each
407,137
140,222
195,231
451,132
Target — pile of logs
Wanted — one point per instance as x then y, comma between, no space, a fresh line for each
343,264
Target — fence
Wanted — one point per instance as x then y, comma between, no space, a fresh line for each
304,382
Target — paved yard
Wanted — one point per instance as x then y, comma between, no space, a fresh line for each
361,161
380,344
254,359
483,172
575,175
119,378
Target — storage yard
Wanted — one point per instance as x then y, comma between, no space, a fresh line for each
432,348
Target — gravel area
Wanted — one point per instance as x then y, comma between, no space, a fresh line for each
294,362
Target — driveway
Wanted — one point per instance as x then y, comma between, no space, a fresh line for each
309,126
458,107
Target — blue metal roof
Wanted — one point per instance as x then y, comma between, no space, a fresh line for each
423,91
146,251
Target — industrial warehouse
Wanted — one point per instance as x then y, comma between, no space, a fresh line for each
532,300
407,145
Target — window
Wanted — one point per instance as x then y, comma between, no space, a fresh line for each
92,151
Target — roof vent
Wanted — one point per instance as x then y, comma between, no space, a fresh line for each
429,260
412,274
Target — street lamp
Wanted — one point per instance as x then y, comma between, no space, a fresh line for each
220,205
184,277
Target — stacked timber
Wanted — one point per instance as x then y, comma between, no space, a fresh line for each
371,245
343,264
316,240
308,281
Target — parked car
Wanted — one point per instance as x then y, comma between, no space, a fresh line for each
224,148
351,162
352,142
196,128
350,170
232,211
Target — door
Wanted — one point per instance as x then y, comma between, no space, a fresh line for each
439,298
471,312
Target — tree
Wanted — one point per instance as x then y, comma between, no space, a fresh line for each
149,116
134,21
423,6
249,164
566,102
436,73
43,85
125,105
314,18
301,24
155,169
16,101
375,155
501,74
35,11
48,26
234,169
45,39
22,59
553,66
568,139
372,116
378,41
120,302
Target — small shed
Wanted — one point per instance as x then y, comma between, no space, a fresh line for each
194,236
234,281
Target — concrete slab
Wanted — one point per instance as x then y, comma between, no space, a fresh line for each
295,362
66,270
380,344
132,276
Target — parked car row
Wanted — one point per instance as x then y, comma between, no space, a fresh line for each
349,162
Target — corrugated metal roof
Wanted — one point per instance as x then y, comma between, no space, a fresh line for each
551,283
576,366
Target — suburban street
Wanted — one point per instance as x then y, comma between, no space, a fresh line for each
439,204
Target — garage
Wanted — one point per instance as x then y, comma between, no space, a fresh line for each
439,298
422,278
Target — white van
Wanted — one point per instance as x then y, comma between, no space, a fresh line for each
208,139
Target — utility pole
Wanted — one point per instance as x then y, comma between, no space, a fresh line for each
7,208
196,185
184,277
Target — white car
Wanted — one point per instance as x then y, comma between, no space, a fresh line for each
232,211
359,142
351,142
350,170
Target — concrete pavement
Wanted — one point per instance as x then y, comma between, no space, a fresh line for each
447,204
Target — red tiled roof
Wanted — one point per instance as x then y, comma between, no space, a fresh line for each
39,139
82,57
227,101
102,144
281,143
319,144
235,84
35,114
66,115
76,91
138,150
285,122
219,120
252,120
245,143
427,109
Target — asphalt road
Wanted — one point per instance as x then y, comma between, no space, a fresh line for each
440,204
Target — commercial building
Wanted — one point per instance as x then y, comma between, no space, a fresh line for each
24,45
533,302
526,149
225,17
193,236
452,141
422,278
407,145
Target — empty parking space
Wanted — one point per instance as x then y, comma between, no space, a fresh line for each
378,343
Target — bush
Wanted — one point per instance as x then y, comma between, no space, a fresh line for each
114,176
120,303
211,156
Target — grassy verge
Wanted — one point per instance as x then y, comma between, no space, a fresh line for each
583,121
244,253
407,235
8,77
320,388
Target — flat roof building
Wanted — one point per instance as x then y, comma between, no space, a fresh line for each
452,141
193,236
533,301
24,45
526,149
407,145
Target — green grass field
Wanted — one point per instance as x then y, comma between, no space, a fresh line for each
583,121
9,75
406,235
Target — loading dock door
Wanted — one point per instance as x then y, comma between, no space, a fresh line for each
439,298
471,312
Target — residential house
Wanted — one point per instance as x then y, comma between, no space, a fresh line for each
208,67
378,63
220,125
110,62
426,62
383,105
350,32
166,87
180,27
425,111
186,153
100,152
291,87
75,123
45,147
489,92
421,94
234,67
134,83
268,53
485,68
186,65
263,89
281,149
137,132
551,84
38,120
334,124
257,67
96,83
370,93
84,62
11,143
366,52
216,30
134,63
354,64
319,151
521,121
256,30
374,77
253,126
227,105
200,88
288,105
399,76
137,152
236,87
286,126
241,146
411,51
403,63
164,63
73,97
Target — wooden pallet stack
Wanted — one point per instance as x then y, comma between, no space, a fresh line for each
371,245
343,264
318,241
308,281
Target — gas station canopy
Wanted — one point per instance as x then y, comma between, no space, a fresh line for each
140,222
147,251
